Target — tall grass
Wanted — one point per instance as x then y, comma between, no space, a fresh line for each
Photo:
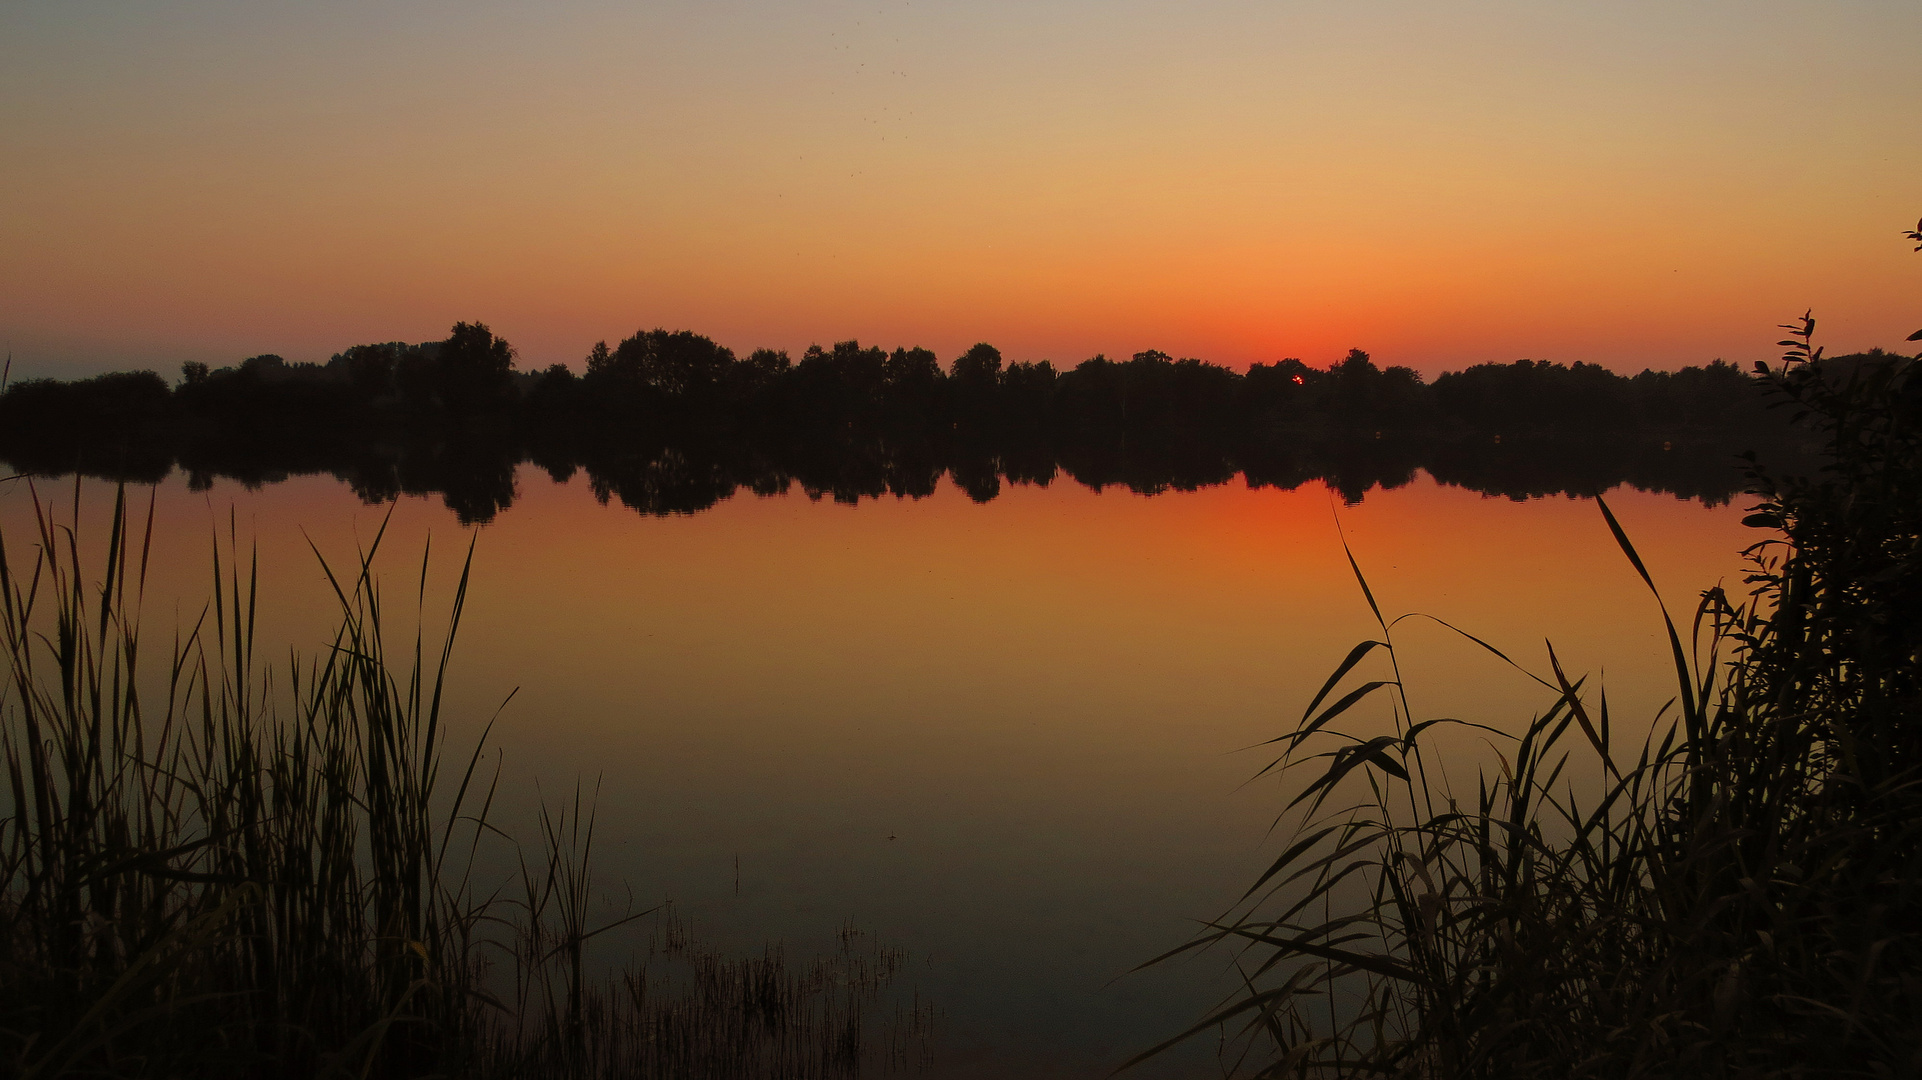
229,868
1741,895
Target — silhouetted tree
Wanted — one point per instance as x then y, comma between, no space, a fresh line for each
914,384
973,380
370,368
1277,393
760,371
475,369
980,365
1530,396
664,365
417,376
1027,393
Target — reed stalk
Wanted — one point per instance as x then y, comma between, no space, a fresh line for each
230,868
1741,897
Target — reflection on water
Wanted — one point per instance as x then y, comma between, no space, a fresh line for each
1001,735
474,472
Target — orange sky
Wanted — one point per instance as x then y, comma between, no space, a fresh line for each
1634,184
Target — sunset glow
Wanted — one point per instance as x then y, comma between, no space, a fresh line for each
1637,185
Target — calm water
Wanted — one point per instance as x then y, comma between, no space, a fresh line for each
1007,737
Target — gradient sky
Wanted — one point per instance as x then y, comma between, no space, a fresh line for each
1639,184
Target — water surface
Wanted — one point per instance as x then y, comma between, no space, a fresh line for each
1008,737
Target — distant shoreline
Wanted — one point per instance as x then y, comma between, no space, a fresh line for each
670,422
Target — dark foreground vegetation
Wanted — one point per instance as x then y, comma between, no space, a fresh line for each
214,865
1737,895
670,422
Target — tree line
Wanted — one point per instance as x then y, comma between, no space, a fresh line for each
852,420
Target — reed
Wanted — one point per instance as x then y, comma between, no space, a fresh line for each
229,868
1741,895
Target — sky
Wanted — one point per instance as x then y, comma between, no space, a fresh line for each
1632,184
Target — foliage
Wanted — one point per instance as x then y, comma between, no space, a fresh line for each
1742,898
476,369
674,382
673,422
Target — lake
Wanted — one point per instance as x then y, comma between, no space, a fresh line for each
1009,737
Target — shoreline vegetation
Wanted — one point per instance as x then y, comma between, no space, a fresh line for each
1733,890
218,865
671,422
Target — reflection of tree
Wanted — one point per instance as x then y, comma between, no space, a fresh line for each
473,476
661,480
975,471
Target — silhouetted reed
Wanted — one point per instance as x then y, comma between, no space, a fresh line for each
218,866
1739,893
